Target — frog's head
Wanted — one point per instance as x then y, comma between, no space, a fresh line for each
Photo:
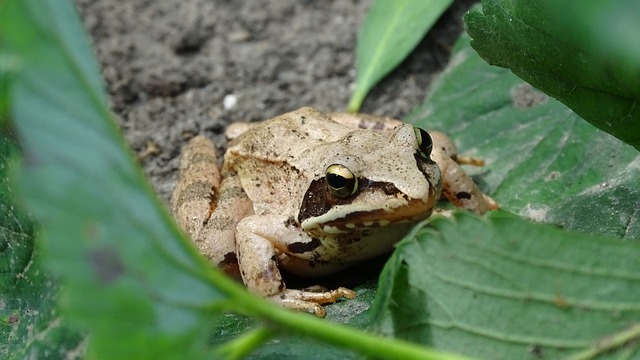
372,178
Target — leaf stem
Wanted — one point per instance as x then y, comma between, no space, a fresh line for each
335,334
372,345
609,343
242,345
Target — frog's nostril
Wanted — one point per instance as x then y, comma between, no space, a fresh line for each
390,189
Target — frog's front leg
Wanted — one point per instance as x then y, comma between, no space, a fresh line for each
457,186
460,189
261,243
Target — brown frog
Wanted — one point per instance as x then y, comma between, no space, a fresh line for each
314,193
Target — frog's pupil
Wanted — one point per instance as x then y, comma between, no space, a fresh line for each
336,181
341,181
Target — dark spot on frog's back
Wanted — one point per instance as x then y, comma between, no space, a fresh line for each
302,247
463,195
371,124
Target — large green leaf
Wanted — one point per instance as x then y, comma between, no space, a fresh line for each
389,33
532,39
543,161
504,288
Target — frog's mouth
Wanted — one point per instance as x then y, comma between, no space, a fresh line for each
359,220
378,205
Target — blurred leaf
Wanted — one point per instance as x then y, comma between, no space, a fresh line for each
606,30
532,39
543,161
505,288
391,30
103,231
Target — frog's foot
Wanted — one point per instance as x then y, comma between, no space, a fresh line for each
310,301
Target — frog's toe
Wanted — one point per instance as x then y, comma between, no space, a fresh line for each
319,297
295,304
310,301
491,204
469,160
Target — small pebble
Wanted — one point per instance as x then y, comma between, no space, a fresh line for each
230,101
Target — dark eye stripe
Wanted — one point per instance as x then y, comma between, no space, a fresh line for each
317,200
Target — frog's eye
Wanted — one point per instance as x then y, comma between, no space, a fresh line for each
425,144
341,181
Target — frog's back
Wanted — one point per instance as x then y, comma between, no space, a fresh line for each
286,137
272,158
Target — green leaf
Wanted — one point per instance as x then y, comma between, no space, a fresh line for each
505,288
30,326
543,161
129,278
537,41
608,31
354,313
391,30
102,229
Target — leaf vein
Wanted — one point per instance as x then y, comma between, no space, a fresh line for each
539,262
551,299
510,338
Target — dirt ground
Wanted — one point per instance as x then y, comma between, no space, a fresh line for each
173,68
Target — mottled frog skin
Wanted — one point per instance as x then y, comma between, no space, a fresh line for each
314,193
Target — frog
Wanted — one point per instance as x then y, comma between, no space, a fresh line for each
313,194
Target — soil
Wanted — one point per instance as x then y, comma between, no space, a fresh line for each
176,68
